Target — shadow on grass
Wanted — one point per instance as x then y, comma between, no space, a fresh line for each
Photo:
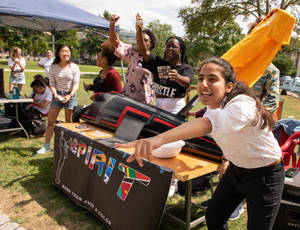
22,152
53,202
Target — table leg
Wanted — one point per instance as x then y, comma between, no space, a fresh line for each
17,119
187,205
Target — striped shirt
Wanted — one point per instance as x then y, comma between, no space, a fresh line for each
64,79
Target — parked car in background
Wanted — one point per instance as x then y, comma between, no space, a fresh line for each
287,83
296,85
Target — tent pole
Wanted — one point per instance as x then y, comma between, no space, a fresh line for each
53,43
122,68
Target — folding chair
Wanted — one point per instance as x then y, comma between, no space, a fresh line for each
288,151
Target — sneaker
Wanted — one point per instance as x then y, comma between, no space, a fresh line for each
237,212
45,148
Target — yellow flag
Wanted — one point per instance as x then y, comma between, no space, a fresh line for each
251,56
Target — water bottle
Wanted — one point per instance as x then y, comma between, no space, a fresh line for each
16,93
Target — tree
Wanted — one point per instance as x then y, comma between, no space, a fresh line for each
28,40
204,45
206,21
91,43
162,32
70,38
285,65
202,12
92,39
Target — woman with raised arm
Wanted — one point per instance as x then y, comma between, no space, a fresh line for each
138,79
172,74
252,167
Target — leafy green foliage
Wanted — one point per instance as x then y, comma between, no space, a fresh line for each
162,32
285,65
91,43
204,45
210,25
70,38
30,41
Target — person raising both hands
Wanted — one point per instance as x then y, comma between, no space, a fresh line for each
251,168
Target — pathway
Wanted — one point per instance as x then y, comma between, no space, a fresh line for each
42,71
6,224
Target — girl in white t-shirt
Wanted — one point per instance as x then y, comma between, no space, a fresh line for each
251,168
17,65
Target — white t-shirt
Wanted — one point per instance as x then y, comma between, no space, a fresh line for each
11,62
46,96
243,144
46,62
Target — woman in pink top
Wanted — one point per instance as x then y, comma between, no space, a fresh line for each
138,80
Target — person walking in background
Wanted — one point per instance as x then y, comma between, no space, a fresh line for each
251,168
46,63
172,75
138,79
63,82
108,79
267,88
17,65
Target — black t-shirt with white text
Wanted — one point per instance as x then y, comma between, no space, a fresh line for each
165,87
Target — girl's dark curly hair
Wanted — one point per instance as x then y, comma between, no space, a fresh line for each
152,37
240,88
110,56
182,48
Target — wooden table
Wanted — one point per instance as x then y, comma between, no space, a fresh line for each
16,102
186,167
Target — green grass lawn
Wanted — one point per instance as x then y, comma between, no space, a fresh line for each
33,65
30,199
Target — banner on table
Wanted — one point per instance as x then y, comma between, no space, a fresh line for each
122,195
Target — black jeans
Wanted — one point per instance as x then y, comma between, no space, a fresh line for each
262,188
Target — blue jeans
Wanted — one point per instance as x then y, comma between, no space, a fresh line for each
262,188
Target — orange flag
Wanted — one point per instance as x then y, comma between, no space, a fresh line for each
251,56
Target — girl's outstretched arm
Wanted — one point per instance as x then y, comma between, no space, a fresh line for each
113,38
143,147
139,38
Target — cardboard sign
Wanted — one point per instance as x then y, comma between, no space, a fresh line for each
122,195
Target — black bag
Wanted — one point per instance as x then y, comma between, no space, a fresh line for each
35,126
33,122
38,127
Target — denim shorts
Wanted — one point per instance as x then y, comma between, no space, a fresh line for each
19,79
69,105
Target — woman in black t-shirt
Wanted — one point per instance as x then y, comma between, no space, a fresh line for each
172,74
